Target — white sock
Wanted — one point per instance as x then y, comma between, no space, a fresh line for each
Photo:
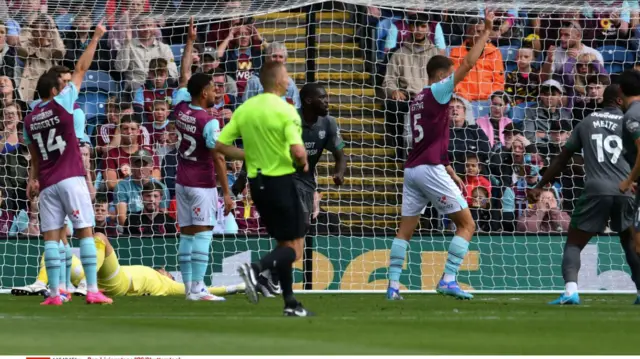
92,288
55,293
394,284
63,286
449,277
570,288
196,287
187,287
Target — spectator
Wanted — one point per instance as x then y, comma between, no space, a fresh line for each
76,41
233,171
493,124
406,76
211,62
548,109
169,142
11,118
40,48
23,15
487,219
246,214
241,59
26,221
574,77
473,178
158,128
151,220
133,57
593,97
487,76
14,172
464,138
128,192
571,46
545,216
559,132
607,27
7,54
9,95
507,29
104,223
276,52
118,159
131,8
109,134
225,103
157,87
169,170
90,177
522,83
7,215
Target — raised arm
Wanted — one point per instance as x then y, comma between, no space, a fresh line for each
187,55
473,55
87,57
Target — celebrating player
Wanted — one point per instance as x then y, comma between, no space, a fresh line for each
196,193
58,173
119,280
319,132
599,137
428,177
271,134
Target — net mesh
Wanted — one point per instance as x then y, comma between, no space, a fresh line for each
364,55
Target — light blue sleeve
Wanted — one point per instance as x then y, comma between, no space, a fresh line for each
633,4
27,139
439,38
293,93
253,88
139,96
13,28
121,194
67,97
79,122
391,39
20,223
211,133
508,201
513,12
443,90
625,12
34,103
182,95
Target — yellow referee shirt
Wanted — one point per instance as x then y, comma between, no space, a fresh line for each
268,126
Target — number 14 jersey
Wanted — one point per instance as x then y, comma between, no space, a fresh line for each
198,132
53,129
599,136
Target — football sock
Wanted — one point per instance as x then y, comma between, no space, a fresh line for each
63,266
69,261
52,263
271,259
200,259
632,260
88,257
284,264
184,257
457,250
396,260
571,266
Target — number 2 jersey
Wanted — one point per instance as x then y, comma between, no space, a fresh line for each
198,132
429,119
599,136
55,131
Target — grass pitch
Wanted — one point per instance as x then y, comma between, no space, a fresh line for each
346,324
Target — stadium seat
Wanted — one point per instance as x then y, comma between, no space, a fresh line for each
93,104
177,53
99,81
519,111
480,108
509,57
617,58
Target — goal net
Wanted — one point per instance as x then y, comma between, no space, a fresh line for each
543,72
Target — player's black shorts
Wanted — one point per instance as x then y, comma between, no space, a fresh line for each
636,212
593,213
306,200
277,201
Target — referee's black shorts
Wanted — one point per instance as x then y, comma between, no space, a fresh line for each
276,199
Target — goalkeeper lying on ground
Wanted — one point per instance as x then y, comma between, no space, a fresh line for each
117,280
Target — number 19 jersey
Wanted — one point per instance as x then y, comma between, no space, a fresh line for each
599,136
198,132
55,131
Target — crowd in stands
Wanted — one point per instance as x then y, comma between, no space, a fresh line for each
539,77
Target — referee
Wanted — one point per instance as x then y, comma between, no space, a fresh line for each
271,133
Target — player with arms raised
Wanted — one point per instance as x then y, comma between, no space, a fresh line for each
428,177
196,193
599,137
58,173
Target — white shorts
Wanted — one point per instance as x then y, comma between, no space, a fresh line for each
429,183
196,206
69,197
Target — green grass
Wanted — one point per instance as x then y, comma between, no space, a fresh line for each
346,324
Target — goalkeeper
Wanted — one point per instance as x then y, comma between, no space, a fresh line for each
117,280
